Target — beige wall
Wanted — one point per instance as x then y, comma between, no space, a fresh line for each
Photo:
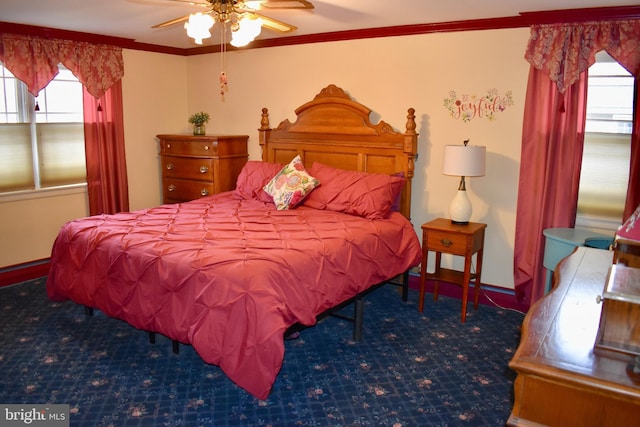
388,75
155,101
28,227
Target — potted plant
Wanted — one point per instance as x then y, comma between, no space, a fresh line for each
198,120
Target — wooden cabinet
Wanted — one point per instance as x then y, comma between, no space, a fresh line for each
627,241
197,166
619,330
443,236
562,380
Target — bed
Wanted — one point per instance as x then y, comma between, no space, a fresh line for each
230,273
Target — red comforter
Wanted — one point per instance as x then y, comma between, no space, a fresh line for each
225,274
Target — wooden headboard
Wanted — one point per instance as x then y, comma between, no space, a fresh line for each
335,130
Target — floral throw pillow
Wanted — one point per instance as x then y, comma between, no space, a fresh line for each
291,185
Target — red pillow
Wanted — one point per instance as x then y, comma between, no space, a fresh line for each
369,195
254,175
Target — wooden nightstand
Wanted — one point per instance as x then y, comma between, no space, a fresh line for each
443,236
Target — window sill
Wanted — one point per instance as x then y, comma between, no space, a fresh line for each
43,193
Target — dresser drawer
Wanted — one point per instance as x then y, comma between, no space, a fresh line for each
187,168
443,241
183,190
188,148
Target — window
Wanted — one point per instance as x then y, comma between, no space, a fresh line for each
41,138
605,161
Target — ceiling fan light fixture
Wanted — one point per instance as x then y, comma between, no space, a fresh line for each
248,29
198,26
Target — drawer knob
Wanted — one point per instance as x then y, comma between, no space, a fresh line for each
170,166
171,187
446,242
204,192
206,148
204,169
168,146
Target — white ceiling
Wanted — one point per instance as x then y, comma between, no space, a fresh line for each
133,18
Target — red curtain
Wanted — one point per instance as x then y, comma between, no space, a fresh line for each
99,68
34,60
551,158
105,152
633,191
553,134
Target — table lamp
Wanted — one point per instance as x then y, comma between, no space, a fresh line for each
463,160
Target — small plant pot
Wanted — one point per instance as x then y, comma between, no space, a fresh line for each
199,129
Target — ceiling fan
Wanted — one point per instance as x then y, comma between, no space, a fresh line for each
241,15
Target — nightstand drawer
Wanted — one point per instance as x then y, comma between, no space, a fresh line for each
443,241
187,168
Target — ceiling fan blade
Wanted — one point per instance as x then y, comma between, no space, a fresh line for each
182,18
267,22
171,22
193,2
278,4
274,24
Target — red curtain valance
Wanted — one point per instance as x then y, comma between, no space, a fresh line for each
563,51
34,60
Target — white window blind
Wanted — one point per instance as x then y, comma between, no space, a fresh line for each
16,158
605,161
41,138
61,153
604,176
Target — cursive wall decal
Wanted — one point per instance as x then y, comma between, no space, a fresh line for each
468,107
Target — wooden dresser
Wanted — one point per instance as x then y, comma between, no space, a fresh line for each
197,166
561,380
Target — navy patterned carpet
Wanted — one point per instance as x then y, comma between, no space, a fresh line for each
410,369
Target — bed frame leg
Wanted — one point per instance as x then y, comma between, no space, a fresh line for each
405,286
358,319
174,343
88,310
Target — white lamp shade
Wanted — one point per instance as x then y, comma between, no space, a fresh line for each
464,160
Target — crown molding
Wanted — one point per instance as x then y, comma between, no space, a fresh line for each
524,19
369,33
581,15
56,33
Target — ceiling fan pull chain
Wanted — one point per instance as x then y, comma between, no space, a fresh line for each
223,83
223,51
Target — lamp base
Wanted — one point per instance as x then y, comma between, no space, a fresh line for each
460,208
